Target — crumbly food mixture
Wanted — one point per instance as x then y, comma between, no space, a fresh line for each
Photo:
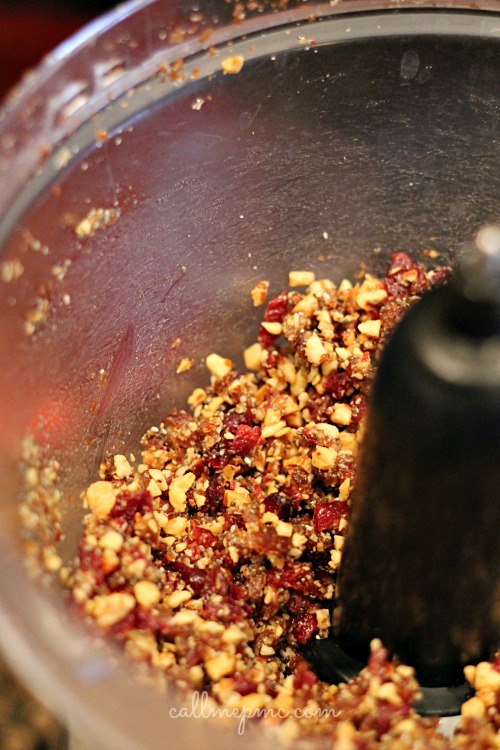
215,558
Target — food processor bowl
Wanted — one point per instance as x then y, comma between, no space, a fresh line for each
153,169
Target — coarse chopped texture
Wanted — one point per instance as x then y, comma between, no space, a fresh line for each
215,559
97,218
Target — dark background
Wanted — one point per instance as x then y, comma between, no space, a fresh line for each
31,28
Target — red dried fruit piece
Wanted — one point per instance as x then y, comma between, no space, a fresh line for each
234,419
129,503
219,456
91,560
225,611
244,685
320,406
296,576
336,384
440,276
296,603
204,537
279,504
245,440
266,339
328,515
304,678
233,519
214,502
358,408
276,308
195,578
404,277
304,626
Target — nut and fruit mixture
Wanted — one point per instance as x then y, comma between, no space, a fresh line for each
214,560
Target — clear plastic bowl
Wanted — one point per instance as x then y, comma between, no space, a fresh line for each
353,129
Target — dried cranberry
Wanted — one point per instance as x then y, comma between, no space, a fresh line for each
266,339
272,360
279,504
441,276
226,611
296,602
233,519
129,503
328,515
219,456
358,408
195,578
91,560
245,440
204,537
396,280
336,383
298,487
214,502
304,678
146,620
304,626
271,687
237,592
244,685
277,308
234,419
296,576
219,580
320,406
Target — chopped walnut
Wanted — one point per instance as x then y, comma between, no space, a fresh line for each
233,65
225,542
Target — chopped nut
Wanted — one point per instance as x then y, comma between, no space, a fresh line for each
341,414
178,489
111,608
112,540
323,618
253,357
315,350
274,328
101,498
197,397
11,270
147,593
232,65
186,617
370,328
176,598
122,467
172,526
219,665
284,529
233,634
218,366
324,458
259,293
474,708
300,278
184,365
